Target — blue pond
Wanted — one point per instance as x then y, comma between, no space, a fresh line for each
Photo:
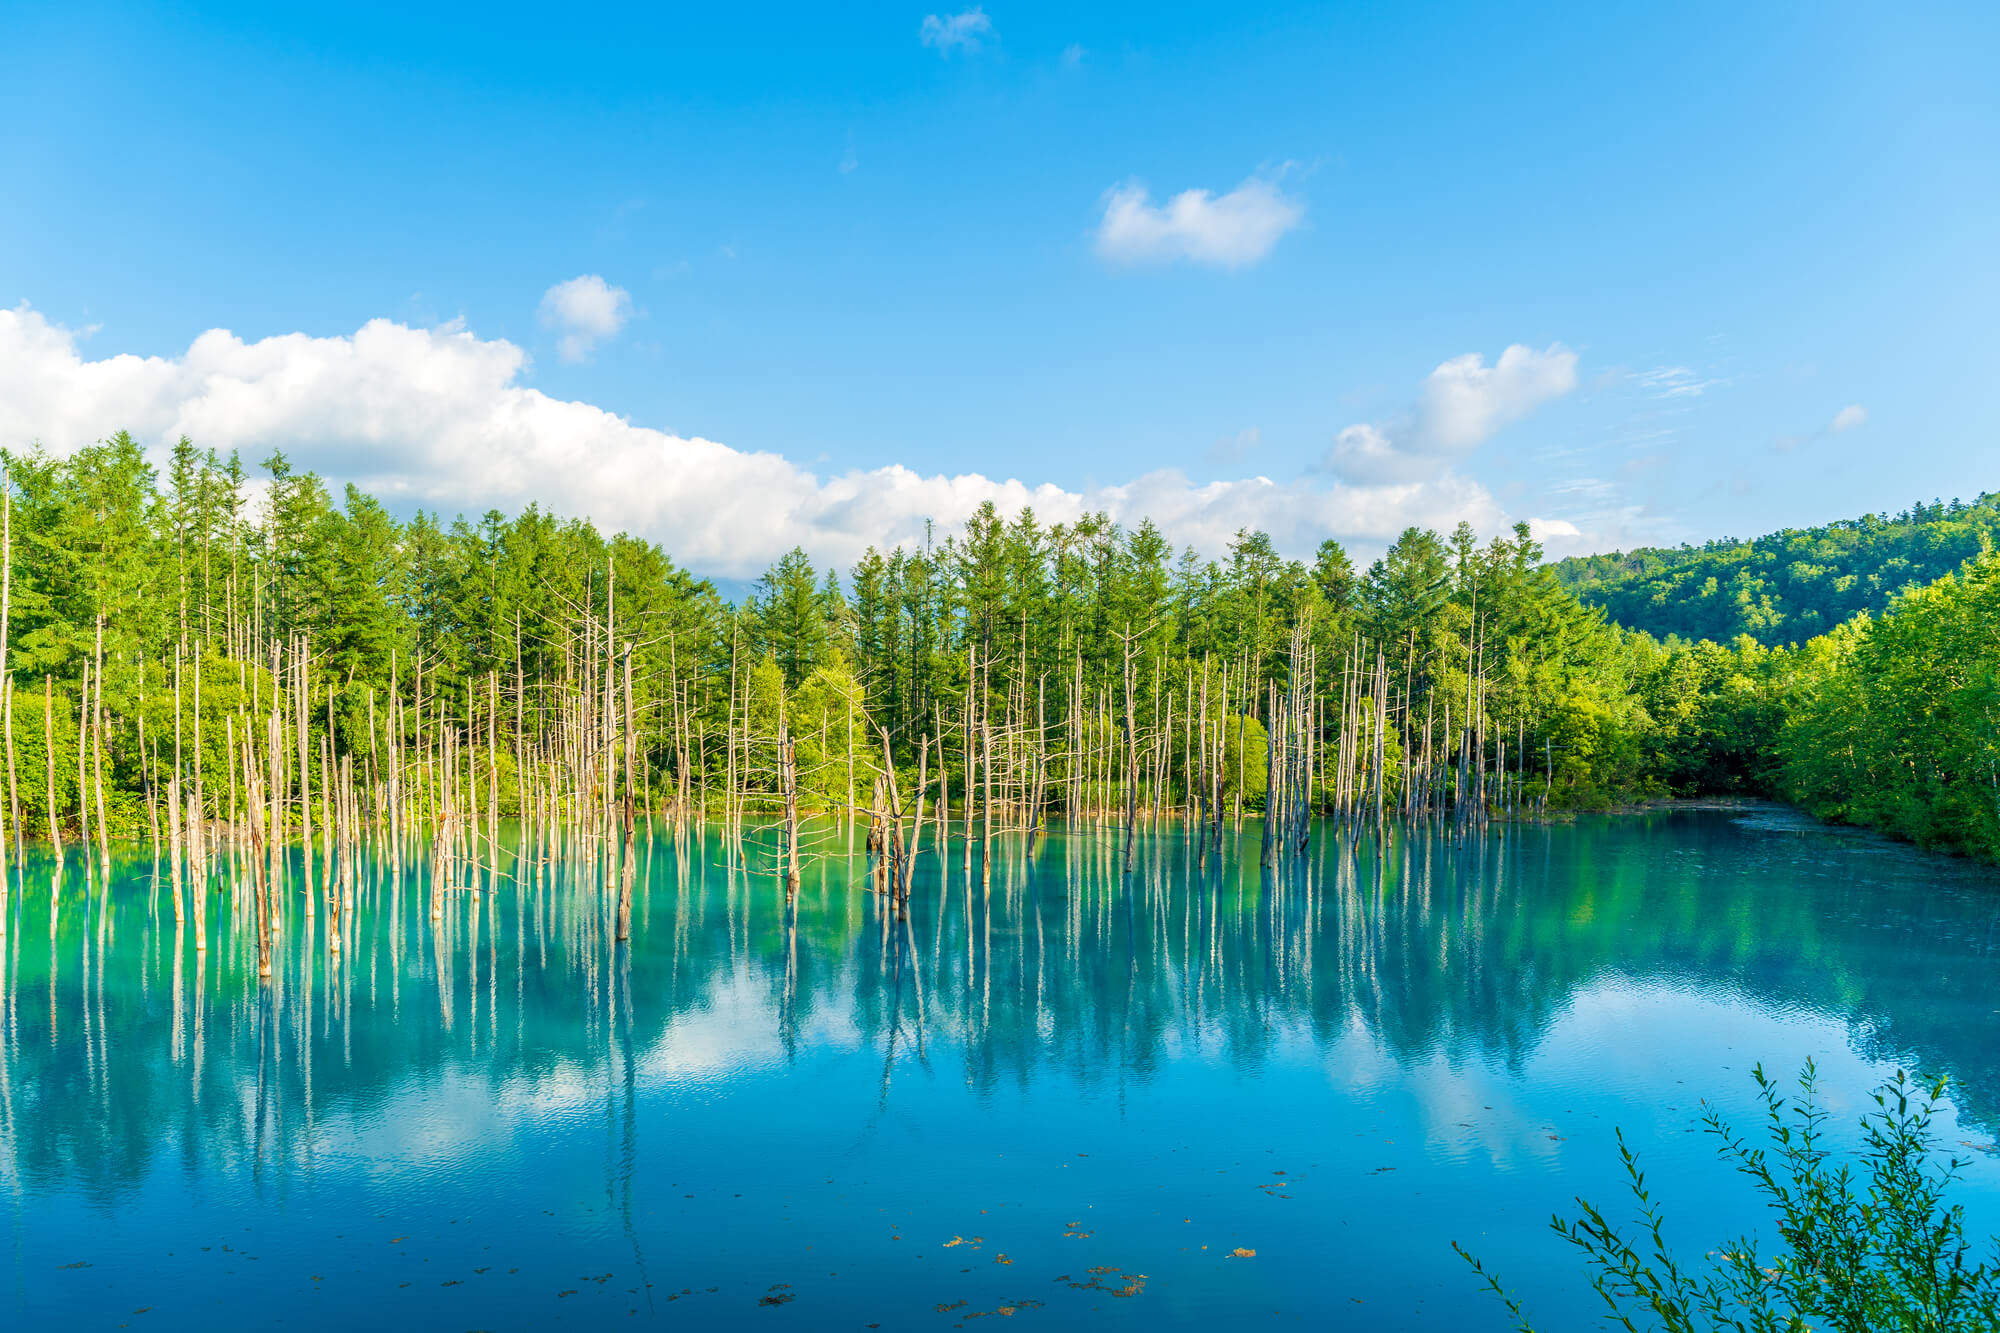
1071,1095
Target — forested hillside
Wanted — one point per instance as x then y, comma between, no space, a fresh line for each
1788,586
1081,665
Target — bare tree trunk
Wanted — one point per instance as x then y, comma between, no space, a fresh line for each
788,770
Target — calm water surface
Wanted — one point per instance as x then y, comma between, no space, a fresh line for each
1076,1094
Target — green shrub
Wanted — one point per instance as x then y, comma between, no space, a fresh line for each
1863,1247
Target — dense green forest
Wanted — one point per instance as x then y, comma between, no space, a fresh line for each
1789,586
152,614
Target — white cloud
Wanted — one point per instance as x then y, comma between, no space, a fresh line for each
1676,382
1461,405
439,418
585,311
965,31
1847,418
1072,55
1228,230
1464,400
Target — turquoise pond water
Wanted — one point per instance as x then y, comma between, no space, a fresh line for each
1073,1093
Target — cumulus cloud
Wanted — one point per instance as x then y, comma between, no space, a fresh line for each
1847,418
1546,530
439,418
1226,231
1462,404
964,31
584,311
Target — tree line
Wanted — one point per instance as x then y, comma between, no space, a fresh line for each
1086,669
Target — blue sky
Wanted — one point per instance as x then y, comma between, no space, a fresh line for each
926,250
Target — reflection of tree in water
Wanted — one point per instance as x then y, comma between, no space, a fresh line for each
125,1049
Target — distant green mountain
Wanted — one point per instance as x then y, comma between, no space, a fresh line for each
1790,585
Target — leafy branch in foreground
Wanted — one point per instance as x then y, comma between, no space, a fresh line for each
1859,1250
